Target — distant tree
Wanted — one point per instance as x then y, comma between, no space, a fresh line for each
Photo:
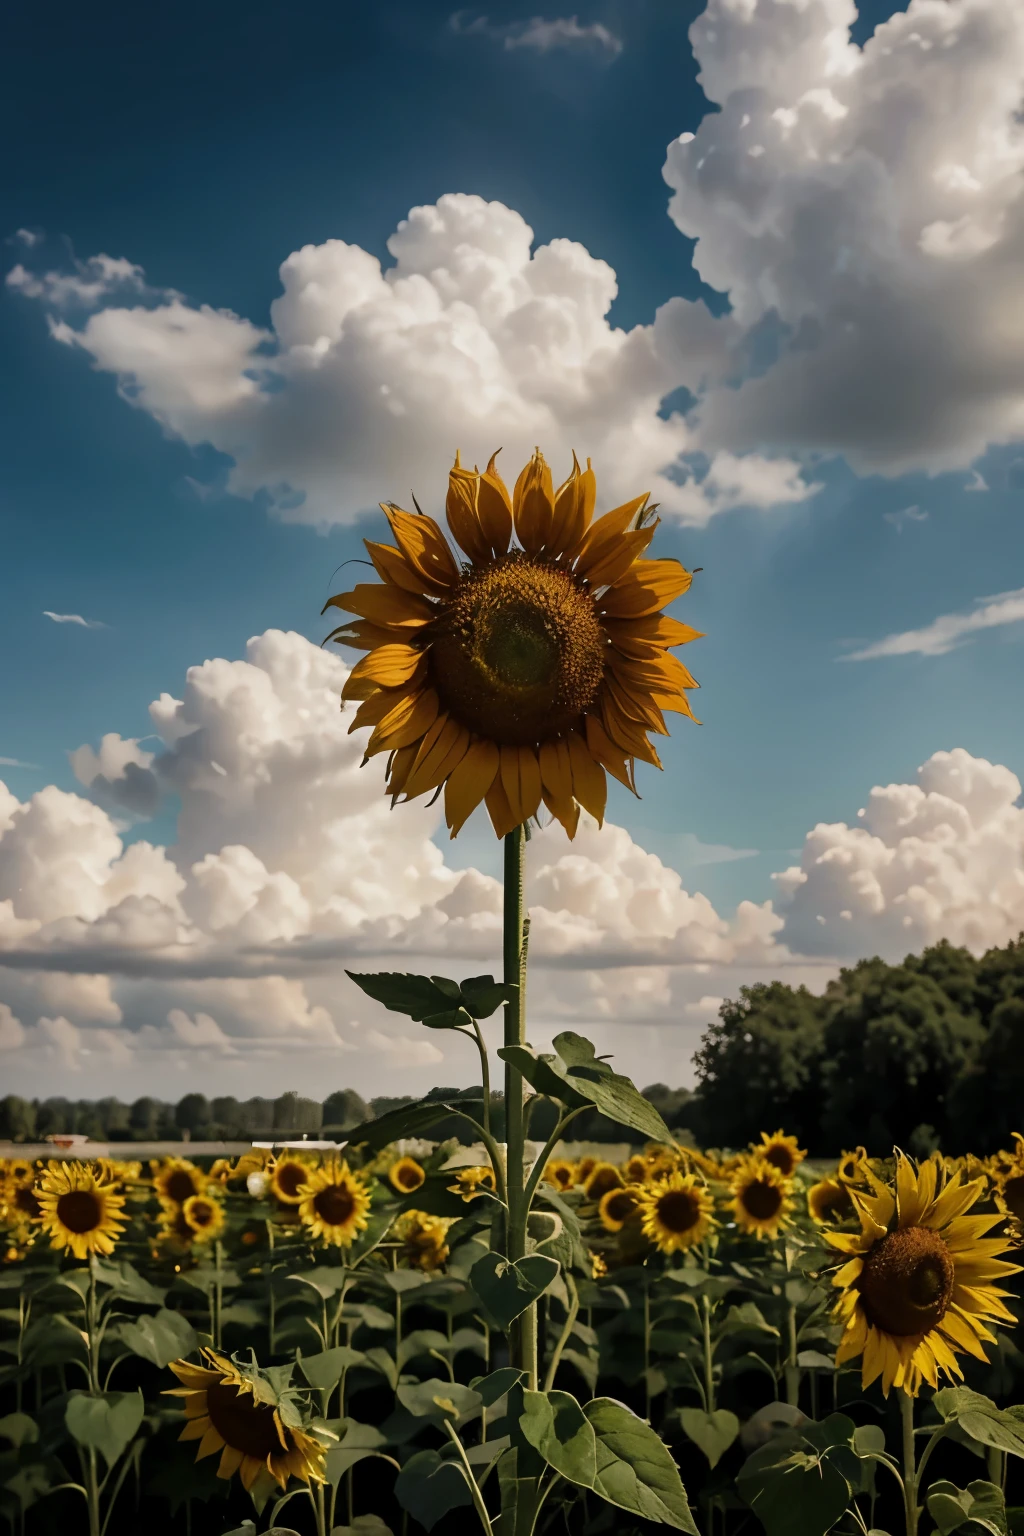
191,1112
986,1107
293,1113
114,1117
17,1118
954,969
345,1109
895,1046
144,1119
226,1114
256,1116
759,1067
54,1115
1000,975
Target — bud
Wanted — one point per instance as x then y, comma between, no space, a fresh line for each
256,1184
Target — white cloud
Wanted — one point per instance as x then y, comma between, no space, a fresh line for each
368,379
864,211
12,1031
947,631
15,762
27,237
906,515
73,618
90,282
539,35
977,482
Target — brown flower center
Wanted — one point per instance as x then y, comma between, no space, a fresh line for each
181,1186
27,1203
1013,1194
678,1210
288,1178
762,1200
201,1213
334,1205
563,1177
242,1422
907,1281
518,651
831,1201
409,1175
620,1205
601,1181
781,1158
80,1210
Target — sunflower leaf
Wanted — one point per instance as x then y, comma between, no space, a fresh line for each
635,1469
412,1119
577,1076
160,1339
713,1433
107,1421
980,1503
556,1426
417,996
428,1487
979,1418
482,995
451,1018
507,1289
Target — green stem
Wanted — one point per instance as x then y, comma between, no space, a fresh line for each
709,1359
566,1333
647,1347
92,1491
218,1260
478,1498
910,1471
537,1171
792,1368
485,1074
271,1308
523,1333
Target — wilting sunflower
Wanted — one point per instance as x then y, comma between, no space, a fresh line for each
560,1173
205,1216
406,1175
851,1165
423,1239
334,1204
762,1200
289,1175
225,1413
917,1288
529,670
80,1214
616,1207
602,1178
177,1179
677,1212
829,1200
471,1182
784,1151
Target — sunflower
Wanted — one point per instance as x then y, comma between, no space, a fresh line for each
225,1413
762,1198
677,1212
598,1264
530,670
334,1204
177,1179
616,1207
21,1202
205,1217
635,1169
851,1165
288,1176
917,1287
829,1200
560,1173
423,1239
1009,1181
406,1175
471,1182
781,1150
584,1168
18,1170
602,1178
79,1212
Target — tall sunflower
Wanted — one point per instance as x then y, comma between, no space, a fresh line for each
175,1178
829,1200
782,1150
79,1212
289,1175
677,1212
229,1412
532,668
335,1204
1009,1181
762,1199
616,1207
205,1216
918,1285
601,1178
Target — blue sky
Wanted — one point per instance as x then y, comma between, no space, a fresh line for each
206,153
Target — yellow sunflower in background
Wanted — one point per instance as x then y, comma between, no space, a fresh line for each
1009,1180
205,1217
175,1178
784,1151
423,1239
598,1264
918,1286
529,670
79,1212
851,1166
470,1182
224,1413
634,1170
602,1178
584,1168
406,1175
829,1200
560,1173
289,1174
334,1204
677,1212
17,1170
761,1201
616,1207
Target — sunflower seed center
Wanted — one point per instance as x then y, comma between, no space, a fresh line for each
678,1210
334,1205
241,1422
907,1281
181,1186
80,1210
1013,1194
762,1200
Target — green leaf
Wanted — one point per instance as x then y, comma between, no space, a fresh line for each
363,1525
450,1018
869,1440
539,1072
712,1432
412,1119
556,1426
326,1280
439,1400
491,1388
124,1280
19,1429
746,1318
979,1418
801,1483
160,1339
635,1470
360,1441
576,1073
980,1503
507,1289
108,1422
429,1487
325,1370
482,995
416,996
378,1359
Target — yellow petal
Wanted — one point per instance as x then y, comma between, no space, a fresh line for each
648,586
468,783
603,750
384,604
656,629
392,566
399,768
433,768
411,728
390,666
589,784
423,545
503,819
605,572
605,536
574,508
533,505
461,512
494,509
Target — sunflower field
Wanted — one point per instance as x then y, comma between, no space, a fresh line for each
319,1342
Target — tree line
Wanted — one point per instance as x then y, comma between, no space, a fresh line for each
924,1054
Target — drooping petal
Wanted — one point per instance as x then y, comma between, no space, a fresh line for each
390,666
604,751
589,785
498,809
646,587
392,566
384,604
468,783
391,735
494,509
462,515
423,545
434,766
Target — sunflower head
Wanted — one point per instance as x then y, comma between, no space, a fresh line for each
602,1178
762,1198
406,1175
288,1176
335,1204
205,1216
175,1178
17,1170
80,1213
851,1166
919,1285
560,1173
635,1169
677,1212
781,1150
616,1207
584,1168
829,1201
255,1426
471,1182
530,669
423,1240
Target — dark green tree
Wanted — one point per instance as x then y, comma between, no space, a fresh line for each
144,1119
226,1114
986,1107
759,1067
17,1118
895,1046
345,1109
54,1115
294,1114
191,1112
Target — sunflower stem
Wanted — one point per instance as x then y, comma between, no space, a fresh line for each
911,1506
523,1332
709,1356
485,1075
566,1333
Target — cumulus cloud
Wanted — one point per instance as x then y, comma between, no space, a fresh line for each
538,35
88,283
73,618
949,630
367,379
864,212
940,858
